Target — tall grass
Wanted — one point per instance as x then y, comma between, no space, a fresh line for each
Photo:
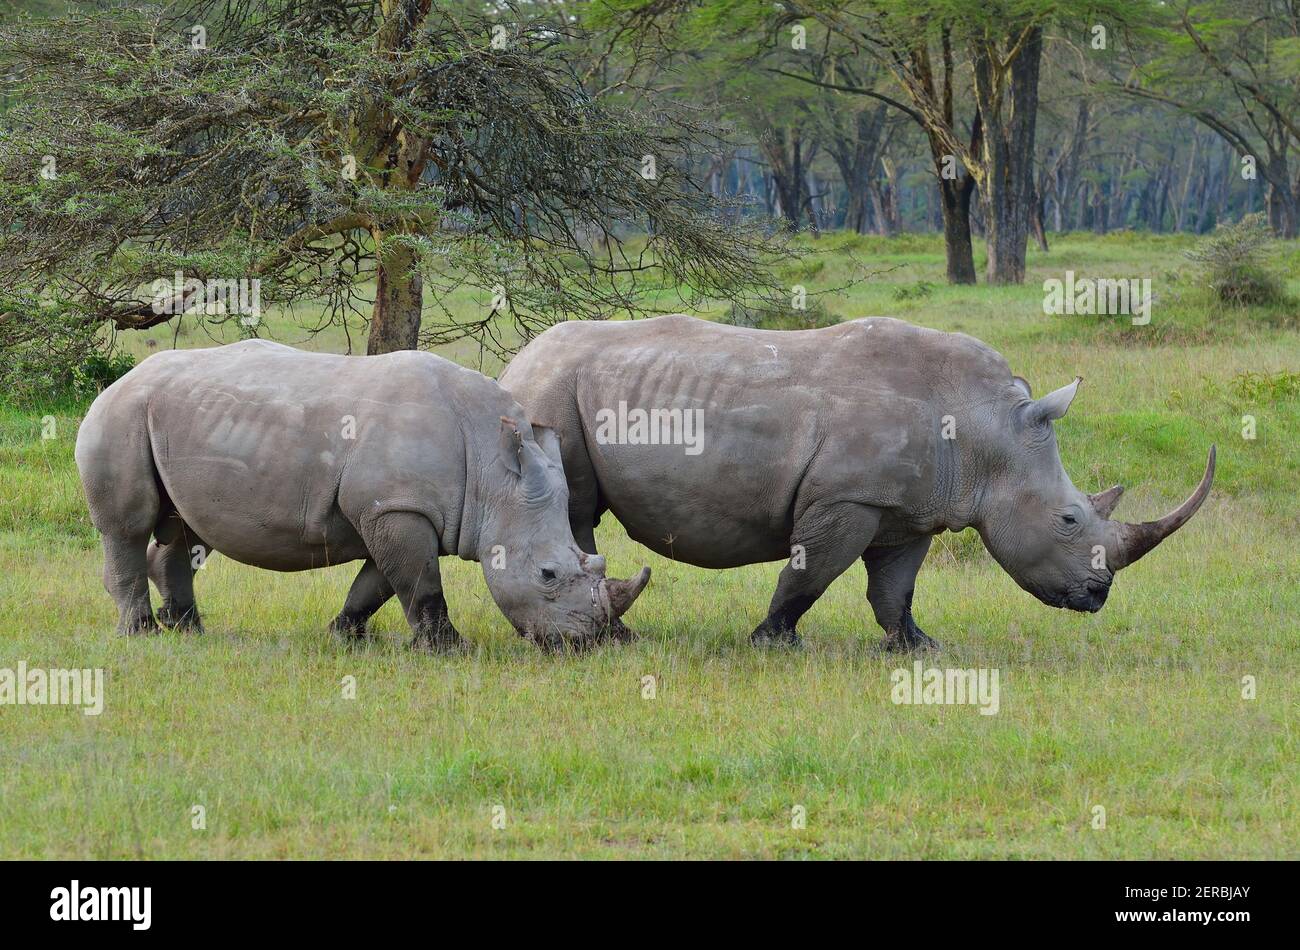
1138,710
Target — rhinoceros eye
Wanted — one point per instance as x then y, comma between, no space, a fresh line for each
548,575
1069,519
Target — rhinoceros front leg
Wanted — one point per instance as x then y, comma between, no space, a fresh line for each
404,546
370,591
826,541
891,578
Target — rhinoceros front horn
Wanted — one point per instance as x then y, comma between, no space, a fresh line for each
1134,540
623,593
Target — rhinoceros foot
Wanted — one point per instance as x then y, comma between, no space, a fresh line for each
349,629
906,638
185,619
768,634
440,637
445,646
138,625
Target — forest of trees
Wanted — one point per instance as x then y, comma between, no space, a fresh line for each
976,118
514,145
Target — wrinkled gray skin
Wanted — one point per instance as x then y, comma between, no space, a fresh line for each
832,440
290,461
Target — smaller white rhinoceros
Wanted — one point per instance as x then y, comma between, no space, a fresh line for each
290,460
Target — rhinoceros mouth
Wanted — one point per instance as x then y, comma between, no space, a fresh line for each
1090,597
579,634
561,642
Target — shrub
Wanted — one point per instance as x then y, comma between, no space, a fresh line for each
1265,387
36,377
98,372
918,291
775,312
1235,262
806,268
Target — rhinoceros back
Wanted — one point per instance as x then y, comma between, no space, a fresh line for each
787,419
271,454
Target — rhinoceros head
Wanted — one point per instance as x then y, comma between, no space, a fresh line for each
553,592
1055,541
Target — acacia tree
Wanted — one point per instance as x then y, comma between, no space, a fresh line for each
851,122
330,149
1002,42
994,156
1235,68
905,39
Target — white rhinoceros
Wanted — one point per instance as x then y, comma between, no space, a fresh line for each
291,460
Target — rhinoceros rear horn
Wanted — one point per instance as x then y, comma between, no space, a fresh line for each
623,593
1104,502
1135,540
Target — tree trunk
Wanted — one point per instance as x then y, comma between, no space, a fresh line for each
783,149
1282,205
1070,180
856,153
1036,220
954,199
813,200
381,141
880,199
1009,127
395,319
855,209
889,192
1100,206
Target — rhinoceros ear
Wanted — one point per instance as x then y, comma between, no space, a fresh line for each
512,445
525,458
1054,404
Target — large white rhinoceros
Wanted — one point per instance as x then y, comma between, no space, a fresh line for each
719,446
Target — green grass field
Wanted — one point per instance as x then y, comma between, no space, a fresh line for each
1138,709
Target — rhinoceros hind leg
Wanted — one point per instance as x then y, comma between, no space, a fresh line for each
405,546
126,578
123,494
891,579
370,591
826,540
171,558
